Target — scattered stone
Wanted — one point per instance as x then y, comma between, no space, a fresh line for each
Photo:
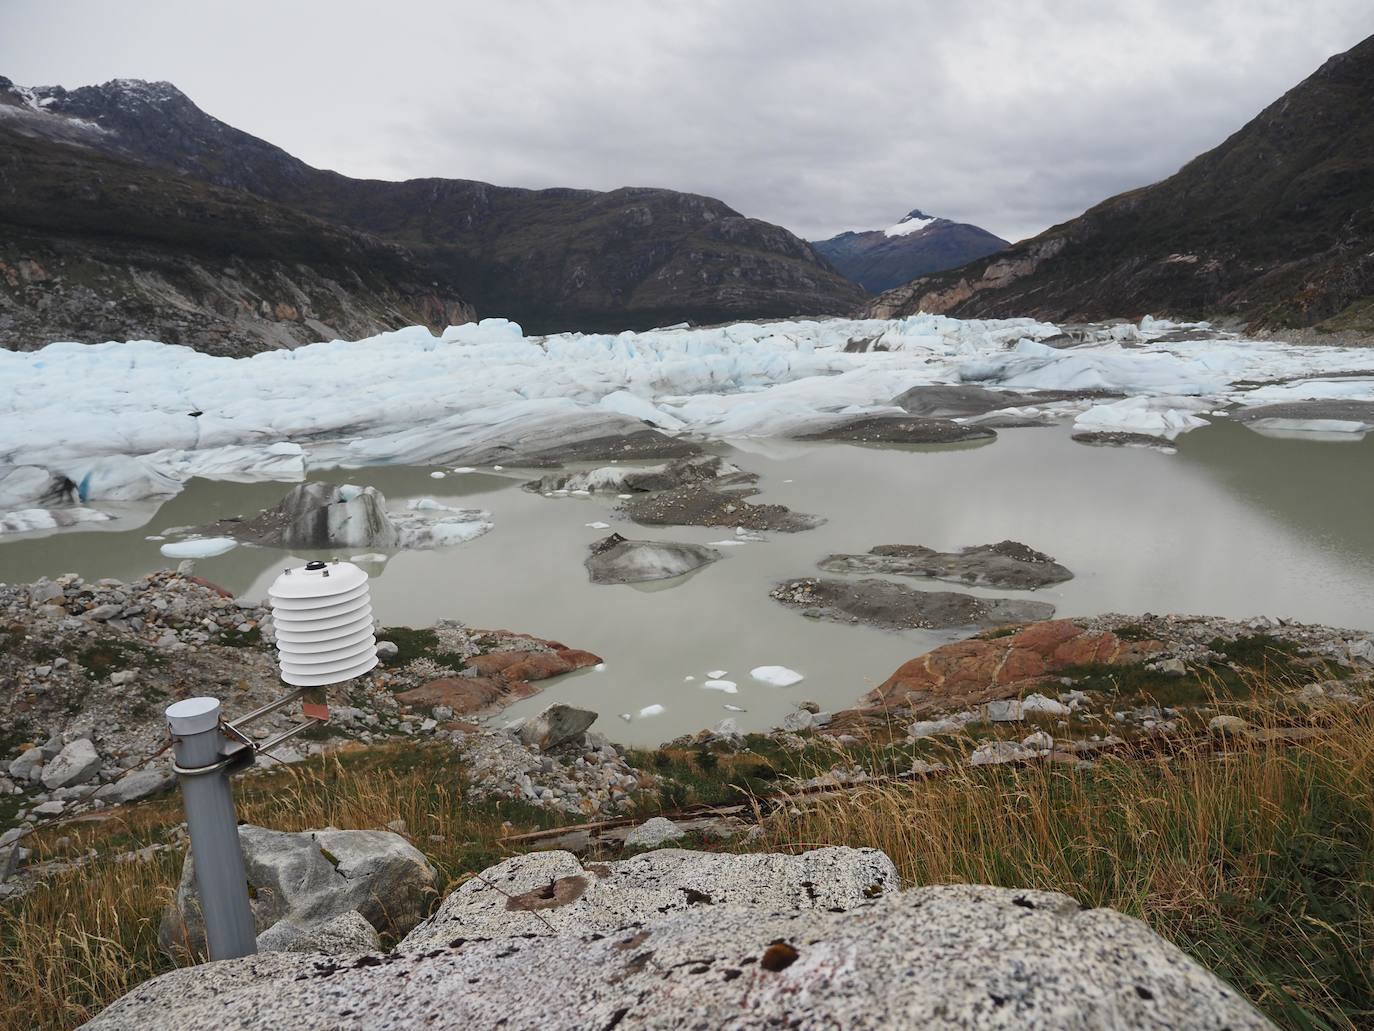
387,650
698,505
654,833
123,678
615,560
77,763
1006,564
29,760
897,429
892,606
140,784
1228,726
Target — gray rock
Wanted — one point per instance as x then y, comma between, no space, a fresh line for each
615,560
123,678
1007,564
44,592
1005,711
23,767
387,650
654,833
312,877
557,725
728,729
1228,726
951,956
795,722
893,606
547,893
348,934
1361,651
101,613
141,783
75,764
53,808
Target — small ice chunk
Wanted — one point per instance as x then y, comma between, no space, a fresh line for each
652,710
155,537
728,686
716,674
624,497
734,708
598,525
778,676
600,667
436,475
498,468
626,717
465,469
371,556
201,547
580,493
786,481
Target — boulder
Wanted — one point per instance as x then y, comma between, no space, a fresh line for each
310,878
139,784
950,956
77,763
556,726
1007,564
348,934
552,893
654,833
980,670
615,560
29,760
891,606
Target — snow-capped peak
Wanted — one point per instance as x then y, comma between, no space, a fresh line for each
912,223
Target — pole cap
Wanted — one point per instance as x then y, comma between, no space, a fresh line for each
193,716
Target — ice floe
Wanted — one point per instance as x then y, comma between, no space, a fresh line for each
778,676
199,547
728,686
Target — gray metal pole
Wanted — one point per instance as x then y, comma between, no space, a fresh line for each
209,801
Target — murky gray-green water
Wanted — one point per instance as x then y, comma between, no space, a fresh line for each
1235,524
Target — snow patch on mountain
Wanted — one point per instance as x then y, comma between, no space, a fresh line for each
912,223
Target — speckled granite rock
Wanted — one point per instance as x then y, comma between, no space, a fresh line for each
938,957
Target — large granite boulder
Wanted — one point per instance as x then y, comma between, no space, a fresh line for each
718,942
309,879
556,726
77,763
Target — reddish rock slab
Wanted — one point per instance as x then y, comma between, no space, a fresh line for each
981,670
503,677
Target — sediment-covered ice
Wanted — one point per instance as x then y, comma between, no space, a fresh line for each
124,421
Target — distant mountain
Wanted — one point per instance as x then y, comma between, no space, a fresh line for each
880,259
551,259
1275,228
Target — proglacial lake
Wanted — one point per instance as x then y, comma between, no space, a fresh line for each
1236,524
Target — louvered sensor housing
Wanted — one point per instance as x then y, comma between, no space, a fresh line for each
322,616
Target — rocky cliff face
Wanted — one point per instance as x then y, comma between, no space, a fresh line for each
880,259
96,248
1274,227
550,259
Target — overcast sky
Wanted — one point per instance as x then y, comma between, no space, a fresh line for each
820,116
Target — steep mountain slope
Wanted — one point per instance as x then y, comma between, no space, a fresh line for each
96,248
880,259
1274,227
551,259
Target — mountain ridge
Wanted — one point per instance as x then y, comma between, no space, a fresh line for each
553,259
1273,228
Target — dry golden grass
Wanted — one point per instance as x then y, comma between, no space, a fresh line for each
1259,862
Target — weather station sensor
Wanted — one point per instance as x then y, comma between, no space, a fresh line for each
322,621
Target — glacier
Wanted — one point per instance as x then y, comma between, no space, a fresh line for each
126,421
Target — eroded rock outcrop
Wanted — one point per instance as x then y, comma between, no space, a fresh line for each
1007,564
684,940
983,669
892,606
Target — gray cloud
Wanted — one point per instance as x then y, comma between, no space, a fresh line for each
820,116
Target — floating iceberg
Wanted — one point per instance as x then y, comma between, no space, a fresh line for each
199,547
778,676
